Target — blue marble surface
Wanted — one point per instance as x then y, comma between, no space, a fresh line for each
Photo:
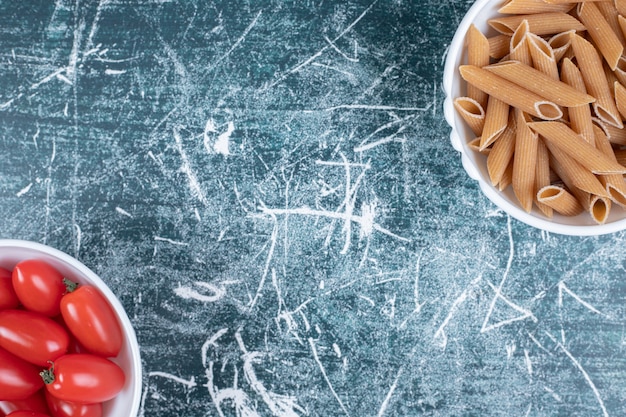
269,188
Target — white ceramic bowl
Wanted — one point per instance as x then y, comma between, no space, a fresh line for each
475,164
126,404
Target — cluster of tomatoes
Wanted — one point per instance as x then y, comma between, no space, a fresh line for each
57,339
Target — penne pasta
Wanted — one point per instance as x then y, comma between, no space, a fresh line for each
543,56
519,45
546,100
532,6
620,156
560,44
620,98
563,175
496,120
610,13
500,155
620,71
614,184
565,139
616,136
601,32
579,116
539,24
524,163
510,93
560,200
507,177
541,84
499,46
599,208
478,55
542,175
591,68
472,112
579,175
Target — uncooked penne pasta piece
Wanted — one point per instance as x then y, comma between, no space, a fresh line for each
542,175
620,71
499,45
578,176
519,44
579,116
620,98
583,197
472,112
614,184
543,56
532,6
620,156
540,24
496,120
561,43
560,200
501,154
599,208
616,136
507,177
620,5
511,93
591,68
610,13
561,136
601,32
524,162
478,55
474,145
541,84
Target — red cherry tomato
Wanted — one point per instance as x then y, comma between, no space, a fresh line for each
22,413
18,378
92,321
32,336
84,378
8,298
36,402
38,286
60,408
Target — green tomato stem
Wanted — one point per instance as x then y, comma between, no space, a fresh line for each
48,374
70,286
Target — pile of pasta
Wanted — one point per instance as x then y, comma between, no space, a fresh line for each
546,101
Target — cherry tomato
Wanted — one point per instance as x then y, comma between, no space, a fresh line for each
18,378
84,378
8,298
23,413
38,286
60,408
92,321
32,336
36,402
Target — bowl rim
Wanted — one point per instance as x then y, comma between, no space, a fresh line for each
129,330
453,52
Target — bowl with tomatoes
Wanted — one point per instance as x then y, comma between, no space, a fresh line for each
67,346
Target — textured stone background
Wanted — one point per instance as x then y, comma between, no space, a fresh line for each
269,188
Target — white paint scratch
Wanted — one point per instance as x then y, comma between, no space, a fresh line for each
192,180
173,242
123,212
24,190
191,383
323,370
587,378
215,292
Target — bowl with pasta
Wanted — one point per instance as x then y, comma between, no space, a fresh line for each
536,99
